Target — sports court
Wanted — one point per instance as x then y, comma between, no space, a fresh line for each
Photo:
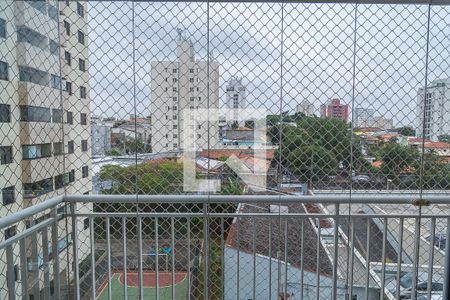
149,286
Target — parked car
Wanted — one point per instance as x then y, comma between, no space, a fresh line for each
433,297
439,240
360,178
406,281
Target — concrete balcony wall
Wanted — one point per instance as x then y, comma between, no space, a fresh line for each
35,57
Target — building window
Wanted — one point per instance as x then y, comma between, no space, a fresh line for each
174,89
85,171
35,114
86,224
70,147
83,119
192,98
84,145
174,108
80,37
82,64
52,12
191,80
175,126
2,28
5,113
72,176
67,27
8,195
28,74
58,148
54,47
175,99
191,89
28,35
174,80
57,115
191,71
62,180
55,81
69,87
82,92
39,5
6,155
38,188
36,151
4,74
68,58
10,232
174,71
80,9
70,118
175,145
174,117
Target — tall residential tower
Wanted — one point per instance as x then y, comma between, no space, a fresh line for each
179,85
236,94
434,110
44,115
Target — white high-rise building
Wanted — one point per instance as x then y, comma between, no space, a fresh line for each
179,85
365,117
44,120
236,94
305,107
434,109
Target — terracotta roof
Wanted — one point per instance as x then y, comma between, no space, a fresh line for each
240,153
367,129
260,228
418,140
437,145
242,129
377,164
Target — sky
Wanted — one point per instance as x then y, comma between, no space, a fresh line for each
285,53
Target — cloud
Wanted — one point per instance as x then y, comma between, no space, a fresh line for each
311,59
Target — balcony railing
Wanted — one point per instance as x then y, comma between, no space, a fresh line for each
230,247
343,147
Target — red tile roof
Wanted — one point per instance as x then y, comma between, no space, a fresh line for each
437,145
240,153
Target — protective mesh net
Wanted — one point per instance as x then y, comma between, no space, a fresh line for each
107,97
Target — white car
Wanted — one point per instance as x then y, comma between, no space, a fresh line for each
421,287
360,178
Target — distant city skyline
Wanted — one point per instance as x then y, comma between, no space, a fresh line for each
248,44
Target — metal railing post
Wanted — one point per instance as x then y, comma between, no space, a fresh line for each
76,270
447,264
56,269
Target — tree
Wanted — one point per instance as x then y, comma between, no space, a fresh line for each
407,131
130,145
147,178
329,137
112,152
312,162
250,124
398,159
444,138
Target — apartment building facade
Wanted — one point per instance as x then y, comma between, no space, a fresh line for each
433,110
183,84
44,115
235,97
335,109
305,107
366,117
